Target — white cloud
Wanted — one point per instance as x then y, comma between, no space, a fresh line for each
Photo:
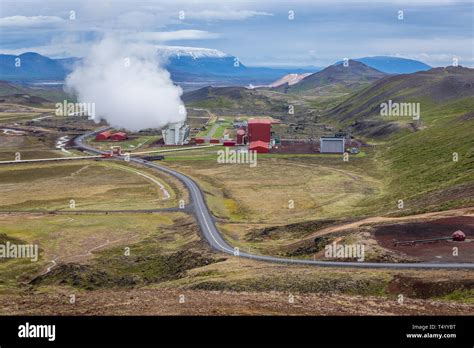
176,35
32,21
237,15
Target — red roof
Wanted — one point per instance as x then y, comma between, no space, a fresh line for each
259,120
103,135
259,146
119,136
259,143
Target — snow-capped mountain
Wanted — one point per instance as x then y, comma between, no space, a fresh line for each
194,52
194,67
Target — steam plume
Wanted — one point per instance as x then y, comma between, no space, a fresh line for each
127,85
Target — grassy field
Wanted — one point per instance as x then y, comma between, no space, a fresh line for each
138,142
219,132
29,147
74,239
92,185
282,188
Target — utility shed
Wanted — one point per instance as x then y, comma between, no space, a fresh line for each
332,145
104,135
119,136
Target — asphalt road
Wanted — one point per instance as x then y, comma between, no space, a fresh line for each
217,242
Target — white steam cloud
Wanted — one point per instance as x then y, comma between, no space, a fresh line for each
127,85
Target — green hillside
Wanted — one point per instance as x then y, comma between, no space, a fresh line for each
234,100
417,155
19,94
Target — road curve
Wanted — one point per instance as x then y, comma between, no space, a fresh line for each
217,242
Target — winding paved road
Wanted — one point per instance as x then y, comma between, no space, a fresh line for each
217,242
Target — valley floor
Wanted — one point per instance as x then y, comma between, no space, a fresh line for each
82,248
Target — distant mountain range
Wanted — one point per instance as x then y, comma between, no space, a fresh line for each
223,71
32,66
393,65
190,67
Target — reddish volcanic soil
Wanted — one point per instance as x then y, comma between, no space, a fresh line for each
441,251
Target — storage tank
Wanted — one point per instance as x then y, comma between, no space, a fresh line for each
459,236
175,133
240,136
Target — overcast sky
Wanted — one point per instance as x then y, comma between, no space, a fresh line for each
260,33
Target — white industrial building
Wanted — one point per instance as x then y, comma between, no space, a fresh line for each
332,145
175,133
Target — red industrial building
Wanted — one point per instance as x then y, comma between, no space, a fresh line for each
259,134
103,135
259,129
259,146
119,136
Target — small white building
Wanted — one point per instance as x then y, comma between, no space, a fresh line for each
175,133
332,145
